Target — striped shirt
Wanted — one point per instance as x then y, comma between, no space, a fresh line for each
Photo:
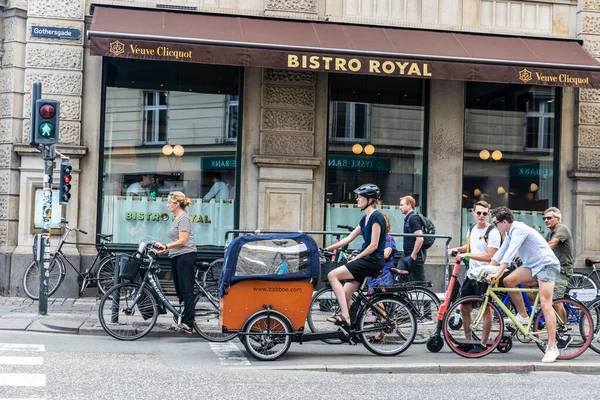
529,245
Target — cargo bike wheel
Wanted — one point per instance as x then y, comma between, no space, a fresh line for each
267,336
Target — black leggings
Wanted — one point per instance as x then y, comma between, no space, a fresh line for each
182,268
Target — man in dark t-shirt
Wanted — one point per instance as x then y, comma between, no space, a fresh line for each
414,257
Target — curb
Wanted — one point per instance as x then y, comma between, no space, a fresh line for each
432,369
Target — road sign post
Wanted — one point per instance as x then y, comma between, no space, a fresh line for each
45,116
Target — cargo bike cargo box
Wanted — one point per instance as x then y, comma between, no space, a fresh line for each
277,270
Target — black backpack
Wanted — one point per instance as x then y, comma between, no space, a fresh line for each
428,229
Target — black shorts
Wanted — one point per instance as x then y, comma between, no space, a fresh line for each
365,267
471,287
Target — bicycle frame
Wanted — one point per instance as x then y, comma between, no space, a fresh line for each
491,293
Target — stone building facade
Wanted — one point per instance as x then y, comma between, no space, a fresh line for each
282,157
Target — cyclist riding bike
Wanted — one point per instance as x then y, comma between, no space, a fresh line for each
370,260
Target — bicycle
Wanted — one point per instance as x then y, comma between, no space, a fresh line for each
423,302
129,311
581,280
467,343
594,308
101,273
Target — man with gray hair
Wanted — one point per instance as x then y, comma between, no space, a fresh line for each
561,242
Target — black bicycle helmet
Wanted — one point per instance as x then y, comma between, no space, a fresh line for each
368,190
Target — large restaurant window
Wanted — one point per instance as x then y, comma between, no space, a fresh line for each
168,127
376,129
509,150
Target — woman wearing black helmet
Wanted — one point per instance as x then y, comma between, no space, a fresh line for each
369,261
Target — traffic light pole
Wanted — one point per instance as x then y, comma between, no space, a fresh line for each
48,155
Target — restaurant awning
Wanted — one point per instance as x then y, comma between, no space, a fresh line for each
323,46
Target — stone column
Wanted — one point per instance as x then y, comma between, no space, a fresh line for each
11,127
285,135
58,65
586,169
444,197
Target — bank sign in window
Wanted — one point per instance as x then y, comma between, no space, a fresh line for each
359,163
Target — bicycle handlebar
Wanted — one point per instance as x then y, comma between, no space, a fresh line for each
347,227
82,231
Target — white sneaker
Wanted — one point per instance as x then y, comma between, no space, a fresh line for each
551,354
523,320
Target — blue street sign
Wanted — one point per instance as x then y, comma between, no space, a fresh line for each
52,32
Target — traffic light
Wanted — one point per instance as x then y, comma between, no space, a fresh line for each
46,120
64,192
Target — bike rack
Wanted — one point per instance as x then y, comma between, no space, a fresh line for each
338,234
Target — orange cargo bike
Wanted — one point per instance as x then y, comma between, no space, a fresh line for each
266,286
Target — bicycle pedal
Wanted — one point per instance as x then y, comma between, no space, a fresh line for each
351,342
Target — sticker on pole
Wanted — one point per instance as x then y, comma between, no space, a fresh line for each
583,294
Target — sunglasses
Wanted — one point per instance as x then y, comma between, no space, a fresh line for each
496,223
547,218
484,213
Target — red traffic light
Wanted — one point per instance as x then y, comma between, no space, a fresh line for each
67,178
47,111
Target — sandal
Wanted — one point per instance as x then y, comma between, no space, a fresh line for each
377,338
186,329
338,320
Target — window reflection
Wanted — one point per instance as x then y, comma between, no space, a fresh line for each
168,129
376,136
518,122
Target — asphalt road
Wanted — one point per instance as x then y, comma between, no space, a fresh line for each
56,366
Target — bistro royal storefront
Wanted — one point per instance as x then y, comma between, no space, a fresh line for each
287,117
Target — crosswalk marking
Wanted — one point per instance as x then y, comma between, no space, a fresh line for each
21,347
10,360
22,379
229,354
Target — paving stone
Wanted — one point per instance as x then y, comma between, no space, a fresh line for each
15,324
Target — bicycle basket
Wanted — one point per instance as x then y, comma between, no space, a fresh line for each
129,266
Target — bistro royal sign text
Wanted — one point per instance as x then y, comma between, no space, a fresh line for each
356,65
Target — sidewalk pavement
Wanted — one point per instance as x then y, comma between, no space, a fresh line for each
74,316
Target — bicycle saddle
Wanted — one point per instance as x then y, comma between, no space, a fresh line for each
108,238
590,262
398,271
202,265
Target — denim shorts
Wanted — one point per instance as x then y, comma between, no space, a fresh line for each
546,273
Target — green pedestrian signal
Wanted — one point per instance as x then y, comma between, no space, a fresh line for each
46,119
47,130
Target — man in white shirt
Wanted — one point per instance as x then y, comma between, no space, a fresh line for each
483,241
140,188
539,263
218,191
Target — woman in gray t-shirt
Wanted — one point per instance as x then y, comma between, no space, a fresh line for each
182,251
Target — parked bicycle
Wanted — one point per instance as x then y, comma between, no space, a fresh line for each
130,310
100,274
580,281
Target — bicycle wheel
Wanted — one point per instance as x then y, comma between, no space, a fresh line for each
31,278
123,320
267,346
322,306
206,319
106,274
390,324
594,310
210,278
426,306
468,343
578,328
581,281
